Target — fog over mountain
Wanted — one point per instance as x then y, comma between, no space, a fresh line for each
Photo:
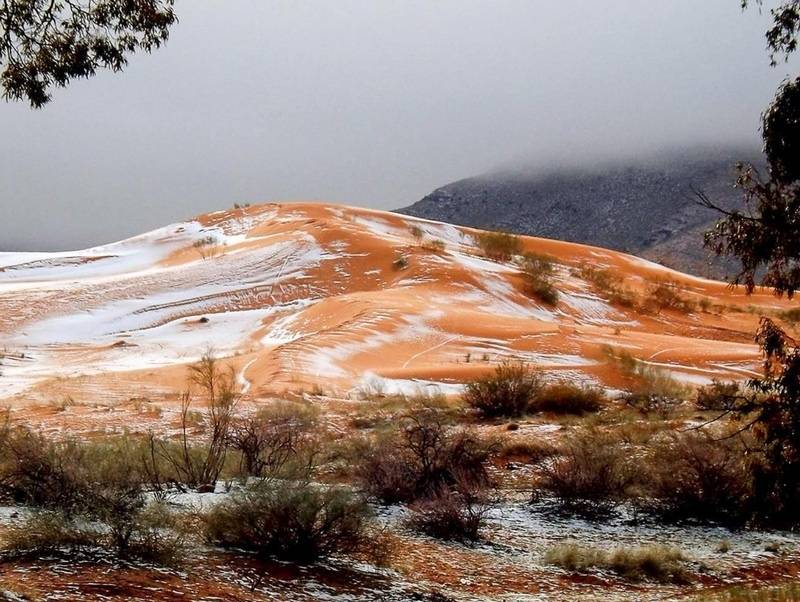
372,103
647,206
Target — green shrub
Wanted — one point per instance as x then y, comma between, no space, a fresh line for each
290,521
507,392
499,246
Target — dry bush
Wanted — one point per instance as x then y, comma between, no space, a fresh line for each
49,533
290,521
718,396
400,262
609,284
201,464
499,246
434,245
450,515
421,458
565,398
506,393
654,563
84,495
532,450
277,441
667,295
655,390
590,476
694,476
538,271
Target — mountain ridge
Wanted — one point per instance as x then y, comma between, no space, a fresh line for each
647,206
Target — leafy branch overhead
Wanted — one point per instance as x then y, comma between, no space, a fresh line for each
47,43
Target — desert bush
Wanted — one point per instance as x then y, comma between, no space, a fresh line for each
499,246
449,515
590,476
532,449
201,464
48,533
668,295
654,389
400,262
277,441
538,271
290,521
609,284
718,396
506,393
422,458
792,316
206,247
434,245
84,495
657,563
565,398
692,475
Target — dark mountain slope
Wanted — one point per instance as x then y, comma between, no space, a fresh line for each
646,208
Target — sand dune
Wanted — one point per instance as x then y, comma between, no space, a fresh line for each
302,296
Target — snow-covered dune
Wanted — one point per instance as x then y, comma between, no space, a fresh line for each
313,295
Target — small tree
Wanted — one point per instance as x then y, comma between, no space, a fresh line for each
202,465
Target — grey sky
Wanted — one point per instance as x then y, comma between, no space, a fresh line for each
373,103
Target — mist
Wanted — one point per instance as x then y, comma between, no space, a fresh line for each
373,104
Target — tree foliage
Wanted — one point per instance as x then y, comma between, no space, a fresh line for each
48,43
764,235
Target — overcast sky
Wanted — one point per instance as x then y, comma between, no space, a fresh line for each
372,103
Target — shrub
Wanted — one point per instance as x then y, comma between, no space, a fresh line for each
564,398
449,515
656,563
505,393
532,450
499,246
290,521
421,459
400,262
667,295
276,441
47,533
87,495
655,390
538,271
201,465
590,476
718,396
692,475
434,245
609,284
